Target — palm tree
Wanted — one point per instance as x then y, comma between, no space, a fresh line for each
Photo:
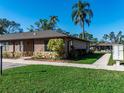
122,39
113,38
105,37
119,37
82,14
44,24
53,21
31,28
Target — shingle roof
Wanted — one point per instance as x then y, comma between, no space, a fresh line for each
31,35
34,35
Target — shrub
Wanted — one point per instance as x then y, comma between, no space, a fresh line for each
45,55
7,55
56,45
17,54
37,55
12,55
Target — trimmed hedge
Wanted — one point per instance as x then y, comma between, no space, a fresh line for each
45,55
12,55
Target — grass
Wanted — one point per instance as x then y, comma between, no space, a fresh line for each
111,61
51,79
88,59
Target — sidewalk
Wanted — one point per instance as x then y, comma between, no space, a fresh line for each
103,61
99,64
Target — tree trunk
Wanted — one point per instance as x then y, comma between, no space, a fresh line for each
83,34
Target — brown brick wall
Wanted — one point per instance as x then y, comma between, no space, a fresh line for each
38,45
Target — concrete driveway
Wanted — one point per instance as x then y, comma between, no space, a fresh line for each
7,65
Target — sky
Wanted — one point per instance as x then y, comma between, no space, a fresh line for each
108,14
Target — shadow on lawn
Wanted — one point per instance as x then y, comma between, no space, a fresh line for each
24,72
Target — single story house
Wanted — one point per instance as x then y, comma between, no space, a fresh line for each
37,41
103,47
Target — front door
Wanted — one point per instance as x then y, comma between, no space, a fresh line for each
28,47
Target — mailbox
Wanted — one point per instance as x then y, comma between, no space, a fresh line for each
118,52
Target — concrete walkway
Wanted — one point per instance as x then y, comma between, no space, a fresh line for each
103,61
7,65
99,64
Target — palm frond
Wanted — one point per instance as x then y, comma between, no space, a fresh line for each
88,13
88,21
77,21
74,14
85,4
75,6
118,36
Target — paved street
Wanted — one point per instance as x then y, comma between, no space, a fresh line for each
7,65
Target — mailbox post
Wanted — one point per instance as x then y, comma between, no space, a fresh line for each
118,53
1,57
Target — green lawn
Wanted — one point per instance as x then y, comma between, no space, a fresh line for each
111,61
51,79
88,59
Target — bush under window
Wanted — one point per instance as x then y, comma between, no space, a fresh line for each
56,45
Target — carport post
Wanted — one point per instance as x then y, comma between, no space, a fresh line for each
1,63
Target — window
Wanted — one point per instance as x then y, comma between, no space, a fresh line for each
4,46
45,45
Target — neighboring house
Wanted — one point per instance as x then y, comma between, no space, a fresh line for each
37,42
103,47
